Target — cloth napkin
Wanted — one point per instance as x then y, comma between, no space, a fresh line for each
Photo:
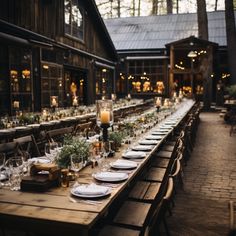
124,164
134,154
40,160
111,176
91,189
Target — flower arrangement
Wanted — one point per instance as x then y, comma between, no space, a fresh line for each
73,145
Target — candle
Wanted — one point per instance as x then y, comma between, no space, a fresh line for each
75,101
105,117
54,102
113,96
174,95
158,102
129,96
16,104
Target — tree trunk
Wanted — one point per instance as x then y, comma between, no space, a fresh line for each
118,8
216,4
231,39
139,7
154,7
133,8
169,5
202,19
177,6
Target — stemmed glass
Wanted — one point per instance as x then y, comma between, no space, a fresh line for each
51,150
2,165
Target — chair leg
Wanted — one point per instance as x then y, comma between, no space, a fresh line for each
166,227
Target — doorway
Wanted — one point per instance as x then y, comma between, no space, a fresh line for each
75,86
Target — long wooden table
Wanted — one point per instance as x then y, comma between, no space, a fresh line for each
54,213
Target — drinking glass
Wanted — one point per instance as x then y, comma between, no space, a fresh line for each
15,165
76,163
51,150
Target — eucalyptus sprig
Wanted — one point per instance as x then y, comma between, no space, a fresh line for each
76,146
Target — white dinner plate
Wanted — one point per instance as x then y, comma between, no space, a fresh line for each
148,142
142,148
123,164
153,137
134,155
111,176
73,192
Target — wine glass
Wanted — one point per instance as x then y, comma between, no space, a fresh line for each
51,150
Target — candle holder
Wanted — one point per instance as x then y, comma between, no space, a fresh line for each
54,102
104,116
158,103
75,102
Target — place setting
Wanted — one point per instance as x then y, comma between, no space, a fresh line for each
130,154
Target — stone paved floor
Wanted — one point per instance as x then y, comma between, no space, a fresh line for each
210,182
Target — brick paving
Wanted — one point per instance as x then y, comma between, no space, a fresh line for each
209,182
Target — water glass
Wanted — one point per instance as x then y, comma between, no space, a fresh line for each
15,166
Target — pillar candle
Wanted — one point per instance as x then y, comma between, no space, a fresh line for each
16,104
105,117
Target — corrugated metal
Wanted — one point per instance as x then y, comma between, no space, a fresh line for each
153,32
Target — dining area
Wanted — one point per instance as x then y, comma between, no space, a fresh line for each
83,185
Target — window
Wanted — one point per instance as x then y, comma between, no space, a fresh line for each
52,84
74,19
146,76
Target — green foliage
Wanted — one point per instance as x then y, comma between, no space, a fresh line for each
73,145
116,137
232,91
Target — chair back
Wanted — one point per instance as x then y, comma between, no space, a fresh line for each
28,144
58,135
9,149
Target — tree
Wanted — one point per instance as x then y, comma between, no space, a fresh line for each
231,38
169,5
202,19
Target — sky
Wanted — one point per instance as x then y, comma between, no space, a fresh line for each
185,6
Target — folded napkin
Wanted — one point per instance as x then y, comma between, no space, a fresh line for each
91,189
142,148
124,164
41,160
111,176
3,177
134,154
148,142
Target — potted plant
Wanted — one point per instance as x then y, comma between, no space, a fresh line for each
73,146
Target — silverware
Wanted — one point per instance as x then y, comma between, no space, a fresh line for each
91,202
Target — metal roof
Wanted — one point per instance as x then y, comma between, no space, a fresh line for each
153,32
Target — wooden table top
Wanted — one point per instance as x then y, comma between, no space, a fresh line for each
54,210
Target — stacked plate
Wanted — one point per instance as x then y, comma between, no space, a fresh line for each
90,191
148,142
107,176
123,164
134,155
142,148
154,137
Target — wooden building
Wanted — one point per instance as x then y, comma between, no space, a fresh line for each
153,54
52,53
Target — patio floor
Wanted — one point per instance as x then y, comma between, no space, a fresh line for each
209,182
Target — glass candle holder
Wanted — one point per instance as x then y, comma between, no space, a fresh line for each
158,103
104,115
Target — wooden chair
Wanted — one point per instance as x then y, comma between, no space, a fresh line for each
82,128
138,218
231,216
9,149
58,135
28,144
